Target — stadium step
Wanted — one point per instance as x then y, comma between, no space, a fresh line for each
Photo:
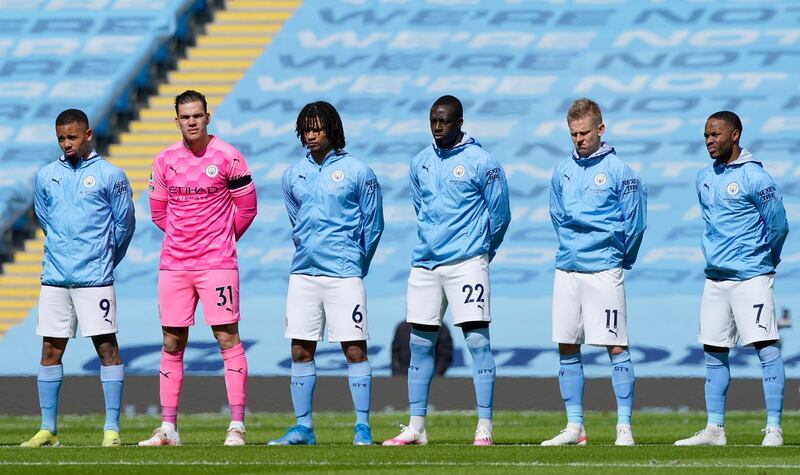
251,16
199,79
167,102
237,36
189,66
233,41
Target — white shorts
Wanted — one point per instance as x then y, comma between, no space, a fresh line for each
589,307
62,309
316,302
464,285
738,309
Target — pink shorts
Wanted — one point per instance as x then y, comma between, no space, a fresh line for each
179,290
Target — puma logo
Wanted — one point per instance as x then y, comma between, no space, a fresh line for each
301,176
173,169
226,308
235,370
166,375
58,182
106,319
480,307
613,331
763,326
567,177
706,185
359,328
425,167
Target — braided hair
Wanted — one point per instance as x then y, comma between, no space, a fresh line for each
324,116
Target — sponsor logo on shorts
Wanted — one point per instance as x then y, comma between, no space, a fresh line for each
459,171
600,179
89,181
212,171
337,176
733,188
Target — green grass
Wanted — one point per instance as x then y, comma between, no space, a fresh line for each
517,435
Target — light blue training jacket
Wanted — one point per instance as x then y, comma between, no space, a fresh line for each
461,199
745,219
87,215
336,211
599,210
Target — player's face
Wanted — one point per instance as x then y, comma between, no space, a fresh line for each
445,126
720,138
317,140
586,133
193,121
74,139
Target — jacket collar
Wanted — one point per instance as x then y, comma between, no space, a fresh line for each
84,162
331,157
601,153
466,141
744,157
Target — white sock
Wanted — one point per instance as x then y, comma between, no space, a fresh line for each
169,426
417,423
485,424
574,425
236,425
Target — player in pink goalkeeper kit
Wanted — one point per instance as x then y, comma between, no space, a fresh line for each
203,197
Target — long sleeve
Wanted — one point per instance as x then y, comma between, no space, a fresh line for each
243,193
40,202
416,194
556,200
370,203
769,201
292,206
158,196
122,210
158,213
246,210
494,188
633,203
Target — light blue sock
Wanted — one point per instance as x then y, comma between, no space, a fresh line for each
360,378
304,378
483,370
111,378
774,379
570,380
622,380
420,370
49,382
718,378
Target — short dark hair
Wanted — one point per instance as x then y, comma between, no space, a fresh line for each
450,101
190,96
729,117
584,107
71,116
329,121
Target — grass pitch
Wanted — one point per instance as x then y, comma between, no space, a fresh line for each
517,435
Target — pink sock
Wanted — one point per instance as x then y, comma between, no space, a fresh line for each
170,384
235,380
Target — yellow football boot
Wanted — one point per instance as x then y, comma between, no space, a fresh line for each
43,438
111,438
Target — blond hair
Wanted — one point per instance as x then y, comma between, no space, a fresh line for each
584,107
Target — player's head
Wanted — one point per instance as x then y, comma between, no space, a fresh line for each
191,115
73,133
447,117
319,128
722,133
586,126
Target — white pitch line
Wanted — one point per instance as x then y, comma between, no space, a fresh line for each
418,464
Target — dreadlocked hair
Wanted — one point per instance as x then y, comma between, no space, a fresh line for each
321,115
